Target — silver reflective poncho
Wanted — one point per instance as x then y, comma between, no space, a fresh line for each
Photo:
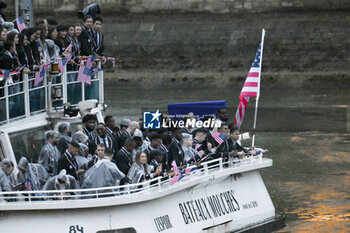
4,182
80,137
48,158
103,174
137,173
53,184
34,176
189,154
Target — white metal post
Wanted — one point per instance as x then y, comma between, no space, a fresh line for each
26,95
100,84
258,94
6,92
64,85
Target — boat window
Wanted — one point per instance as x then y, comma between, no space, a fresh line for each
28,143
124,230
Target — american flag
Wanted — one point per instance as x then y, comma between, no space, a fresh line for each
39,76
177,176
6,73
205,157
20,24
85,72
196,147
251,87
27,184
189,170
261,152
111,59
68,47
218,137
175,169
63,61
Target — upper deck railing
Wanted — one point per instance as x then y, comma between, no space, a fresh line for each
154,185
22,100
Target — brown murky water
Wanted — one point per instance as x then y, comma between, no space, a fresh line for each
310,179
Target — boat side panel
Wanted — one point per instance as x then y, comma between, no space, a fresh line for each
234,201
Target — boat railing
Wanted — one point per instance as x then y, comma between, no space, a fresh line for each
20,99
157,184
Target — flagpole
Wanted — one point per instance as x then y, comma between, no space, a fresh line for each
258,94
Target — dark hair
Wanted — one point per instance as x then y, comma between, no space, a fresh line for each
3,5
219,109
11,36
86,17
101,145
51,29
155,136
8,45
51,21
42,28
154,153
69,26
129,141
173,130
88,117
74,143
21,39
222,125
108,118
40,21
98,18
77,24
233,127
201,130
109,152
62,27
30,32
167,139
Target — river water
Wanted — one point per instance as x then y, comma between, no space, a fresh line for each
306,130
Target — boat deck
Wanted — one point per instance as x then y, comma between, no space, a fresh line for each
127,194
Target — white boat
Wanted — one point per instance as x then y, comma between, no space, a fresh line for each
219,197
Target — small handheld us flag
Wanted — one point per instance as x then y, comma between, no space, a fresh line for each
20,24
27,184
218,137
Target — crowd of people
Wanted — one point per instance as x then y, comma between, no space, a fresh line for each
99,154
48,41
105,155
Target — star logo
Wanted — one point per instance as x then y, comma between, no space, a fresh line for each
155,115
152,120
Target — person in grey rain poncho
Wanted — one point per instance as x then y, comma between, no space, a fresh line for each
103,174
65,131
30,176
140,170
49,154
82,138
61,182
190,154
6,169
82,160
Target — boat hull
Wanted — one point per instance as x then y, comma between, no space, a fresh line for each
224,203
